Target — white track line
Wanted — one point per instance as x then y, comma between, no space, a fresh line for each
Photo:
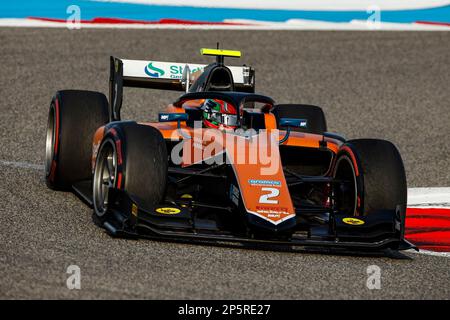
430,253
24,165
416,196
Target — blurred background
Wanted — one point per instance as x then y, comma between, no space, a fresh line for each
285,14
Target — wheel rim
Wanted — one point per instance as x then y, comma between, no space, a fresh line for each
104,176
346,195
50,140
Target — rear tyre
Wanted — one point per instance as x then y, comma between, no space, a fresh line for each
131,157
313,114
377,179
74,116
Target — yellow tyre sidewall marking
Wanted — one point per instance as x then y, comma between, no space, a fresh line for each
168,210
353,221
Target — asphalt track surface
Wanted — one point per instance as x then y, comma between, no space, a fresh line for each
391,85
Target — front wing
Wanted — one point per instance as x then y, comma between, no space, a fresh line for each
126,218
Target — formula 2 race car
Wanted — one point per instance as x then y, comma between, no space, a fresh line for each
223,164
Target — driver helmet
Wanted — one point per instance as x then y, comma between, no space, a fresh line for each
219,114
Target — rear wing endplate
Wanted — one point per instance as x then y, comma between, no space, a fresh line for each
162,75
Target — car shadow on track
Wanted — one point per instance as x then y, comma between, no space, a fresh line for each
386,253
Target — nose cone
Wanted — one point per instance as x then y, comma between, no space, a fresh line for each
260,224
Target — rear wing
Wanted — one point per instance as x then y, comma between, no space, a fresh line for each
162,75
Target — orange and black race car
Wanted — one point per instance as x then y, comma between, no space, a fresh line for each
223,164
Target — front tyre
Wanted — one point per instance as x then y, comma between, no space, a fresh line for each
133,158
375,179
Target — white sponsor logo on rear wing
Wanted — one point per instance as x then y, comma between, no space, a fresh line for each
172,70
164,76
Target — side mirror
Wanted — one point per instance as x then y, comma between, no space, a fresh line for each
175,117
172,117
291,122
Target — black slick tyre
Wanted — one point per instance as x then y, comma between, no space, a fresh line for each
74,116
132,158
